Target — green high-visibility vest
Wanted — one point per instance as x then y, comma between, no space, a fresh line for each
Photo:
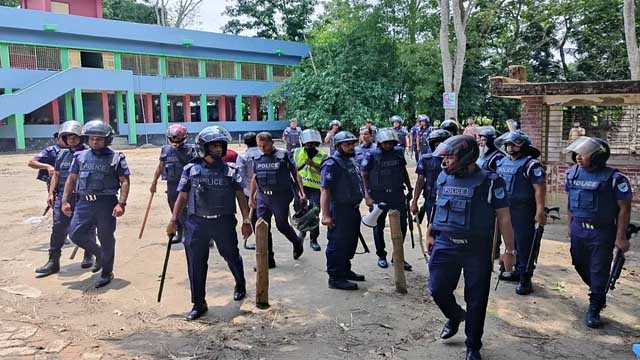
310,176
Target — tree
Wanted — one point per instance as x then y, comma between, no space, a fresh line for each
10,3
128,10
452,71
176,13
271,19
629,13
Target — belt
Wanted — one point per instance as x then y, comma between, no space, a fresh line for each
93,197
209,216
273,192
459,241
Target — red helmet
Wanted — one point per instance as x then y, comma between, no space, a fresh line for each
177,133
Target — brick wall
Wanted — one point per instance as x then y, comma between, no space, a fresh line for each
531,115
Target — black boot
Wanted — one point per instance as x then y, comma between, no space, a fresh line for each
239,292
104,280
51,267
451,327
298,249
87,260
592,319
314,245
353,276
341,284
197,311
524,287
473,355
97,266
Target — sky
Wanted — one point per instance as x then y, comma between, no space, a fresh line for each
211,18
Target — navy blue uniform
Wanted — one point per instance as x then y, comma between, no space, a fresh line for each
386,183
462,224
361,152
429,167
341,177
97,187
423,134
60,227
593,197
47,156
211,215
402,136
174,161
520,175
275,192
292,137
490,160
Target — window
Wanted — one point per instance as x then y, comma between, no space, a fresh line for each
59,8
253,72
179,67
141,64
34,57
220,69
281,73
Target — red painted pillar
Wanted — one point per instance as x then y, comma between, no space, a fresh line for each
281,111
222,108
105,107
172,110
148,108
55,111
186,107
254,105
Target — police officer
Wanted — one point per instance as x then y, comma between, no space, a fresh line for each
525,179
384,171
211,188
599,210
451,126
366,145
97,174
335,126
70,132
308,160
428,169
173,157
490,155
45,161
291,135
244,164
396,123
423,135
368,124
274,182
459,238
340,198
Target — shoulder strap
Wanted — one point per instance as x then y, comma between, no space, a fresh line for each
62,154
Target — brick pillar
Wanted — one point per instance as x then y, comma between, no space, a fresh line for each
55,111
531,121
105,107
254,105
148,108
186,107
222,108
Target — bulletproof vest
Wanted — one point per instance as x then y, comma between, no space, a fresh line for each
361,152
591,195
293,137
485,161
97,174
272,171
348,190
387,173
432,169
211,190
401,136
424,140
175,160
43,174
64,158
519,188
462,207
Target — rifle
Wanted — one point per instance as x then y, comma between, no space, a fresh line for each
619,259
164,267
410,221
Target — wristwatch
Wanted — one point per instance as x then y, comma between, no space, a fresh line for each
246,221
513,252
122,204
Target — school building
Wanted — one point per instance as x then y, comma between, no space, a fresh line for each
60,60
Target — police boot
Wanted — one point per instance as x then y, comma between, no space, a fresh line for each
341,284
51,267
298,249
473,355
197,311
87,260
592,319
524,287
97,266
451,327
103,281
314,245
239,292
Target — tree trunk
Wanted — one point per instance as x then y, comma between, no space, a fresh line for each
445,54
631,39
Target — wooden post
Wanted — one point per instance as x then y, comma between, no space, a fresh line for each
398,251
262,264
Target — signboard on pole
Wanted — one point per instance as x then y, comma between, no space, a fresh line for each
449,100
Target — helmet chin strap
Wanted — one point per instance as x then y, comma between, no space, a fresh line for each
344,154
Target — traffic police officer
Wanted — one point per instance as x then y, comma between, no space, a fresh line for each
428,169
211,188
173,157
525,179
308,160
340,198
451,126
97,174
459,239
366,145
274,182
489,153
384,171
599,210
45,161
396,123
70,132
291,135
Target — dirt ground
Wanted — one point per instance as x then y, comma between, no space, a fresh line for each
64,317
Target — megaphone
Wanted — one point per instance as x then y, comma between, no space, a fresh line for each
371,220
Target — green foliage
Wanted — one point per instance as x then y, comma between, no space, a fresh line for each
10,3
128,10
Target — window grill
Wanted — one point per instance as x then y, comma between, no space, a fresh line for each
178,67
34,57
253,72
141,64
220,69
281,73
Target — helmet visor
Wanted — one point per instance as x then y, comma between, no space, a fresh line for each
585,146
